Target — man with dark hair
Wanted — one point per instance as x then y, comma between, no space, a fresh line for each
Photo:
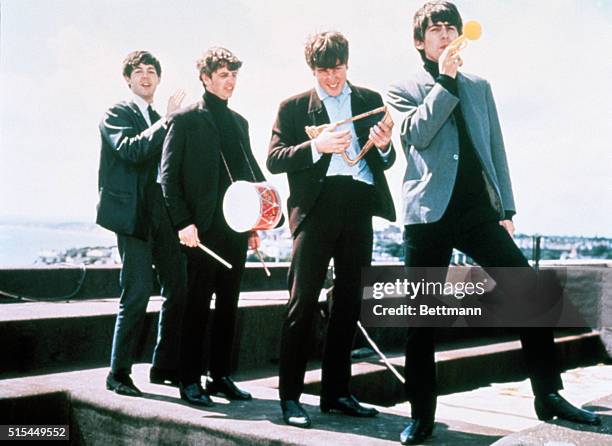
131,205
216,58
457,194
330,216
135,58
326,50
207,149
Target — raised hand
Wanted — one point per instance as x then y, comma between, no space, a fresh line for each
450,61
174,102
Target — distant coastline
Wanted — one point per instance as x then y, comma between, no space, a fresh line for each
31,242
22,244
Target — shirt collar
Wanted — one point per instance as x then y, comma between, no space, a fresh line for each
346,90
143,105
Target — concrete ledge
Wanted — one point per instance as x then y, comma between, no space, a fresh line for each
100,417
38,405
560,432
50,337
55,336
502,413
95,282
463,365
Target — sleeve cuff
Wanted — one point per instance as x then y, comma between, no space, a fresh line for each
160,124
183,224
315,153
385,155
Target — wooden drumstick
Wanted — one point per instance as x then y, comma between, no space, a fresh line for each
215,256
261,259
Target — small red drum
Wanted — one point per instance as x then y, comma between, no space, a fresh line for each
251,206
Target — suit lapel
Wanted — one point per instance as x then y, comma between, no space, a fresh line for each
358,102
206,115
465,99
470,114
465,96
242,131
317,115
426,78
141,119
358,106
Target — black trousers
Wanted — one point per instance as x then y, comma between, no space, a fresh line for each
339,227
205,277
431,245
161,249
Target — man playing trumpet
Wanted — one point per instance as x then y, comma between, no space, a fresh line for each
330,216
457,194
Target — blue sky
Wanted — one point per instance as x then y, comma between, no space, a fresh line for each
548,62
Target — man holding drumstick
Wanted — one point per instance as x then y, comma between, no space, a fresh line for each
206,149
457,194
330,216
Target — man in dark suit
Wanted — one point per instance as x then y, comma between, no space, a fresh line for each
457,194
131,205
330,216
207,149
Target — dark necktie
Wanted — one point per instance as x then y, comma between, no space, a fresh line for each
153,115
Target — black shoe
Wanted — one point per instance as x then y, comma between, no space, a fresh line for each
294,414
417,431
348,405
553,404
227,387
195,394
122,384
162,376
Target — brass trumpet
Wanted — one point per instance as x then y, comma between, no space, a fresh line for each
472,30
314,131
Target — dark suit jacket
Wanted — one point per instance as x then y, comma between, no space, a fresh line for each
191,162
129,158
290,152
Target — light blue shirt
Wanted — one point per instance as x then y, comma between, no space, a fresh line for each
339,108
